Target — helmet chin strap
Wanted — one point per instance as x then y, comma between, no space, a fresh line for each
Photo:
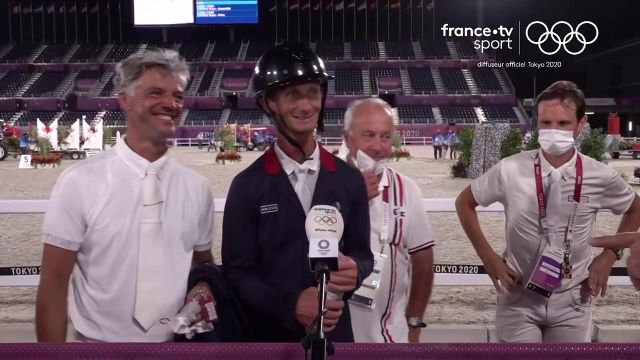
282,128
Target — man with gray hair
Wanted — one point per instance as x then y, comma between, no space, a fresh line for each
390,304
123,227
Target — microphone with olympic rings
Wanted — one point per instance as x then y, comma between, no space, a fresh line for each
324,226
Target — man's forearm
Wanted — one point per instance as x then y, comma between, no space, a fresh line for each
421,283
471,225
631,219
51,315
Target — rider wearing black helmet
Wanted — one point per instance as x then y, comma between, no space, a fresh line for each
280,70
265,246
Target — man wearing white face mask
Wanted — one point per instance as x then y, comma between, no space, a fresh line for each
390,304
548,278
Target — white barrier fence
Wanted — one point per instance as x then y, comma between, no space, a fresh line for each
445,274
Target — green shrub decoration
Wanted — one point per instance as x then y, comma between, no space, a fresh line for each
227,137
594,146
513,143
44,146
466,144
397,141
107,134
533,143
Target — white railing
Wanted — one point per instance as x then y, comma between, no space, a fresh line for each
453,276
410,140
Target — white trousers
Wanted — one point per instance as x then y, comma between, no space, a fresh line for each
526,317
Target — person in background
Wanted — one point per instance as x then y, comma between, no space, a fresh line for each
212,142
453,145
24,143
547,278
438,141
123,228
401,235
200,138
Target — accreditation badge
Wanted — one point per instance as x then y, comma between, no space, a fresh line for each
365,295
546,274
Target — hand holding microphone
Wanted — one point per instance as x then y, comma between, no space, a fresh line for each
344,280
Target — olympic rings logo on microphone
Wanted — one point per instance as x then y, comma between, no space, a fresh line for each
326,220
561,42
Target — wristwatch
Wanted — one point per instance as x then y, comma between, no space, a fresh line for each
415,322
617,252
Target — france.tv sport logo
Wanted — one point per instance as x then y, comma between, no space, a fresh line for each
561,35
551,40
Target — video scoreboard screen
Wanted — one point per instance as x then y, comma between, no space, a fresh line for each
162,12
223,12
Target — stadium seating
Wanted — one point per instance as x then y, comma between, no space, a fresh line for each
256,49
19,53
399,50
421,80
108,89
203,117
225,51
376,73
114,119
334,116
244,116
364,50
46,84
6,116
435,50
486,80
238,73
500,113
416,115
465,49
192,50
454,81
206,82
329,51
89,74
160,45
12,82
87,53
69,117
32,116
459,114
121,51
52,54
348,81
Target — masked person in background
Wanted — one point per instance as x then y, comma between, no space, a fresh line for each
547,279
390,305
265,245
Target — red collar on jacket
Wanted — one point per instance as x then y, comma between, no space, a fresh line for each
272,165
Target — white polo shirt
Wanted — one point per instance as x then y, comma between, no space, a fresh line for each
512,183
409,231
95,209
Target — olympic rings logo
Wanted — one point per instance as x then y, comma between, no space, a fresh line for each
562,42
326,220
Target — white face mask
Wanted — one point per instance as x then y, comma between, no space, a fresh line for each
555,142
365,163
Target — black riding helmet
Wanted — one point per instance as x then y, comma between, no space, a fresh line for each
285,65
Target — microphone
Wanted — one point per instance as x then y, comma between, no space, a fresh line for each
324,226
